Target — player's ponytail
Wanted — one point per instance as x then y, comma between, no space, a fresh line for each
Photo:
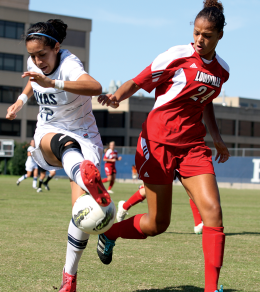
51,32
213,11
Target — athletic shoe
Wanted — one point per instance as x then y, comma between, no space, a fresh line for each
121,212
110,191
105,249
69,282
46,186
35,188
92,180
198,228
220,290
18,182
39,190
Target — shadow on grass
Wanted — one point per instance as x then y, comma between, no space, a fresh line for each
243,233
180,289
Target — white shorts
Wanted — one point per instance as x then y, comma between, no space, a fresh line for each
91,149
30,164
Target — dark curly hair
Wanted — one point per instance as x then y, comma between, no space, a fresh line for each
55,28
213,11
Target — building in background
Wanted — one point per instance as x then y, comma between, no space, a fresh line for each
15,19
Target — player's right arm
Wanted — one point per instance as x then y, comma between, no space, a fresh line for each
128,89
17,106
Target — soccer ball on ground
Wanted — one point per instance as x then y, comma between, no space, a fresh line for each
92,218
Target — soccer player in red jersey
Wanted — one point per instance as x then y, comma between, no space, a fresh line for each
187,78
110,159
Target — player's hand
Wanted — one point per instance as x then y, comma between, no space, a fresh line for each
40,79
109,100
119,158
14,109
222,152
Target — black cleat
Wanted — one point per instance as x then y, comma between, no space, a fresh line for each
105,249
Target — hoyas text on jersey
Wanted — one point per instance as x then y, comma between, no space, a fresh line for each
44,98
208,79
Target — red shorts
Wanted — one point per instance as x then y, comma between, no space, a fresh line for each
156,163
109,169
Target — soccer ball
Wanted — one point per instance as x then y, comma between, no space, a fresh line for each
92,218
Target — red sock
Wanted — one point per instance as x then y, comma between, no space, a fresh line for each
136,198
213,242
104,180
196,213
129,229
111,184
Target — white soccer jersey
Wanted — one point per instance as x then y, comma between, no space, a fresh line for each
62,109
30,164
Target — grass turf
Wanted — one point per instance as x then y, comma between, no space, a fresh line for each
34,238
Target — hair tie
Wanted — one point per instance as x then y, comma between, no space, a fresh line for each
39,33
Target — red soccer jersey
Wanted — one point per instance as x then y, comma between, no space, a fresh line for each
184,85
111,155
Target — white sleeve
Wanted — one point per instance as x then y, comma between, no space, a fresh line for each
75,70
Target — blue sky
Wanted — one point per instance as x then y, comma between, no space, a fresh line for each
127,35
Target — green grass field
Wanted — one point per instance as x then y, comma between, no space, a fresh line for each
34,238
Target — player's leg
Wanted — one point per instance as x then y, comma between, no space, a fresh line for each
35,177
77,242
123,206
107,179
112,181
198,224
41,178
50,176
23,177
204,191
156,221
64,151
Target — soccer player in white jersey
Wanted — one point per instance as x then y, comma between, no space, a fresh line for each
30,166
186,78
66,134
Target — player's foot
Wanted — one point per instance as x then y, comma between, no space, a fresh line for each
121,212
46,186
220,290
92,180
105,249
69,282
110,191
198,228
35,188
39,190
18,182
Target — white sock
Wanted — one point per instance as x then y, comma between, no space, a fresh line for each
77,242
22,178
71,160
34,182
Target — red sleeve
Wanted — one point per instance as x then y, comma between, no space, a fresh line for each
148,79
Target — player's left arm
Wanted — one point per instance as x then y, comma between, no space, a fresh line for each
210,121
84,85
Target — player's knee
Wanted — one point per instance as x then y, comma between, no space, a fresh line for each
214,213
158,227
60,143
